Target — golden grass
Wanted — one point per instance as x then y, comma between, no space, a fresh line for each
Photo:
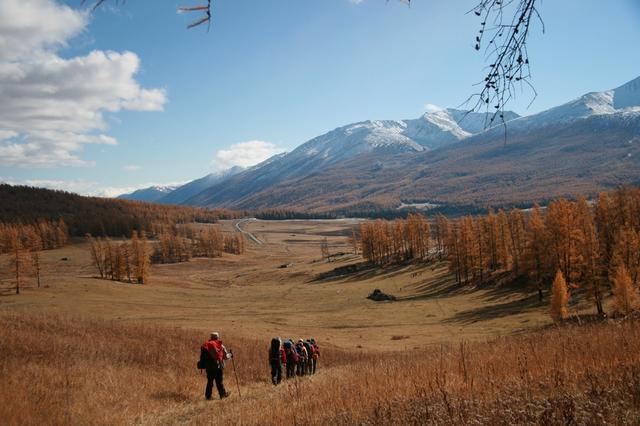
59,369
250,295
63,370
88,351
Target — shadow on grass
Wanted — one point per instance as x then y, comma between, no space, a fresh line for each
440,287
498,310
365,270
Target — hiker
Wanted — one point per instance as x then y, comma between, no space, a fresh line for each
292,358
302,358
316,355
309,348
277,357
212,357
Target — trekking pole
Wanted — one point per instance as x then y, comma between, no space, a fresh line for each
235,372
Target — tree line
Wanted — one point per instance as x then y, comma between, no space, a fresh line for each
102,217
126,261
593,246
24,241
180,243
129,261
384,242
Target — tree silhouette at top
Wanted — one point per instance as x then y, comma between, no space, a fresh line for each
504,31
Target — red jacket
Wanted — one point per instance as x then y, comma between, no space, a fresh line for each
215,349
283,355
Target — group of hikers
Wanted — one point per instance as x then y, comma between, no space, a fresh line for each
298,359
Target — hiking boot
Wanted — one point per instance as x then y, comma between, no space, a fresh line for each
225,395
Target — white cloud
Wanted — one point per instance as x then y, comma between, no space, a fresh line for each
432,108
245,154
131,168
84,187
52,106
356,1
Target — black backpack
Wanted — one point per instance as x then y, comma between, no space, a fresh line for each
274,352
206,361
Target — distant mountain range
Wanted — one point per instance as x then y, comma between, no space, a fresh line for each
151,194
446,156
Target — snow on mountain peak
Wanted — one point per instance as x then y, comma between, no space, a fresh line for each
164,188
627,95
624,99
361,137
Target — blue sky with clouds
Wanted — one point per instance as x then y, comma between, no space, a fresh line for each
128,97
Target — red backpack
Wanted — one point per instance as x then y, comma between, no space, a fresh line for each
292,355
215,349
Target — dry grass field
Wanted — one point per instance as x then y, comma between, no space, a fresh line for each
86,351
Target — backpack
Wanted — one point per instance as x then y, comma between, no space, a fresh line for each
216,352
292,355
205,358
299,351
307,345
274,352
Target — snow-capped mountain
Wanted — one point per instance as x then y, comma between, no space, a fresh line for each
581,147
180,194
151,194
355,139
439,127
624,99
376,139
627,96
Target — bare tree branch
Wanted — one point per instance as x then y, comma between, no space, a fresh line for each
504,31
505,43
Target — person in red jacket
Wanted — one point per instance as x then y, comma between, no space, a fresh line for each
212,356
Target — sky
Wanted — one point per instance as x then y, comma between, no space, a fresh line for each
126,97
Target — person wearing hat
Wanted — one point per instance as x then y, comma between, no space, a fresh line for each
212,357
315,356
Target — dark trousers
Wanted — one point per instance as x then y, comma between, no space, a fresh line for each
291,369
314,363
214,374
276,372
301,368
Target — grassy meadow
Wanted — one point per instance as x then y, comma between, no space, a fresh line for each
80,350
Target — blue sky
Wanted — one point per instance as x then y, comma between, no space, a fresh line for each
275,72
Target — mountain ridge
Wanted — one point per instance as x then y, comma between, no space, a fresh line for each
447,156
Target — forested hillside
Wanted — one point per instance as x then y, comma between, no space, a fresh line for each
93,215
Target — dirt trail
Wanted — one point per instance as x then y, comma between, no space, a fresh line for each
247,233
245,408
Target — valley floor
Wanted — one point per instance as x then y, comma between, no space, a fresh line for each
83,350
283,287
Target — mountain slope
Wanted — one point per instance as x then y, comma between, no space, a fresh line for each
584,146
378,140
625,98
446,156
151,194
181,194
581,158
